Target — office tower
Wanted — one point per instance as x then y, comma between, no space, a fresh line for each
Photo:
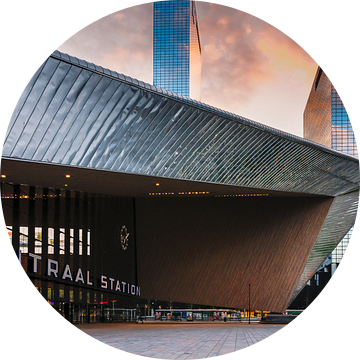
327,122
342,139
177,48
342,134
325,118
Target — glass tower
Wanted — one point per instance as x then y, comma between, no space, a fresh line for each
177,48
327,122
342,134
342,139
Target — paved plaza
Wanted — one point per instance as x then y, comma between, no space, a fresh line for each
180,340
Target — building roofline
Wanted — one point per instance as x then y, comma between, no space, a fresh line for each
200,105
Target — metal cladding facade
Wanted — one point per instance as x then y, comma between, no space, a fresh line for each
317,114
208,251
327,122
325,118
79,115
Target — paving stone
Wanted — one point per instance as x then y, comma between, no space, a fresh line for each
179,340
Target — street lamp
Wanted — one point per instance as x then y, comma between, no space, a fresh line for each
249,303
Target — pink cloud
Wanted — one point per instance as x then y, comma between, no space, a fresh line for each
121,42
248,66
242,54
230,60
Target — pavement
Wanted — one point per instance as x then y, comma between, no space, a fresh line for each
180,340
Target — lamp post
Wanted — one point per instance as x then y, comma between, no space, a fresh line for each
249,303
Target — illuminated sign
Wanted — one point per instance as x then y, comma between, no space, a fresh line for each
77,276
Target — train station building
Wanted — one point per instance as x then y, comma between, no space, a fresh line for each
120,196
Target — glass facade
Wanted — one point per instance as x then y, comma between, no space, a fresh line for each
342,139
339,251
327,122
177,49
57,236
325,119
342,134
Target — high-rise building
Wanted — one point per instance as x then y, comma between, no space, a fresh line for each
327,123
177,48
342,139
325,118
342,134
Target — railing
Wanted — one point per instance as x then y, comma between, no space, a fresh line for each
278,319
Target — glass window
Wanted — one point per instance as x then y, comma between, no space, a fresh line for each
88,242
177,50
24,239
51,237
9,230
62,241
38,240
71,241
80,241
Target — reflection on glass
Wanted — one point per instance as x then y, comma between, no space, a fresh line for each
50,241
23,239
62,241
9,229
177,49
38,240
80,242
342,134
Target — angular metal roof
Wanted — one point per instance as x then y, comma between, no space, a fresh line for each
78,114
339,220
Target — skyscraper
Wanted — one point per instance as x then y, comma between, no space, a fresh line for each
177,48
342,134
342,139
327,122
325,118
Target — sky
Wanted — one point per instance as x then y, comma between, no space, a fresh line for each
248,66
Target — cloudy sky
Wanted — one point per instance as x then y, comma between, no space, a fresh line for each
248,67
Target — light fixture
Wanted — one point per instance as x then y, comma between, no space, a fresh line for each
182,193
157,184
3,176
67,176
232,195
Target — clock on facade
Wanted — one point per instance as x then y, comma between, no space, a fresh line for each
124,237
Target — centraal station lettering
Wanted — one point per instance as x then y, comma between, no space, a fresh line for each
104,282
